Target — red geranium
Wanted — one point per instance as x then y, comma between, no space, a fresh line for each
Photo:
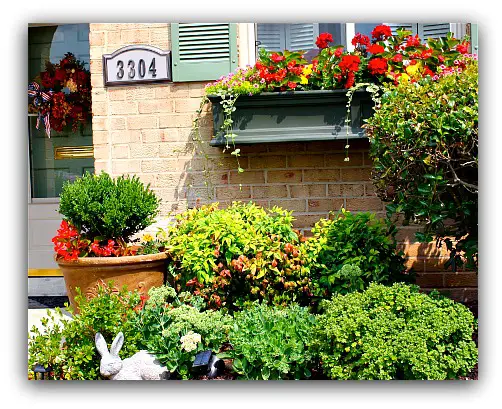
323,40
381,32
338,52
377,66
360,39
292,84
350,63
376,49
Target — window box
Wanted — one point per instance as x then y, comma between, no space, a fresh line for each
300,116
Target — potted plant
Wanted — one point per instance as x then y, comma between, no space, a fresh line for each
284,97
93,244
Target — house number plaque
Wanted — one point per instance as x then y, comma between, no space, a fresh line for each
137,64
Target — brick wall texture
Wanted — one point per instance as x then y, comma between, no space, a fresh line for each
146,130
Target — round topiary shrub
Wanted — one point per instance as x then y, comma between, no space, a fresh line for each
236,255
395,333
100,206
350,251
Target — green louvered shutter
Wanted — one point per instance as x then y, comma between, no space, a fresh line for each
203,51
474,39
437,30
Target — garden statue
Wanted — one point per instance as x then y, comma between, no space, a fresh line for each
141,366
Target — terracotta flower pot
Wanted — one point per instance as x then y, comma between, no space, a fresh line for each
136,272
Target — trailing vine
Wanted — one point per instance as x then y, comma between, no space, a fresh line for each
374,90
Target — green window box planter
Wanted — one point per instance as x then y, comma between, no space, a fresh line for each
300,116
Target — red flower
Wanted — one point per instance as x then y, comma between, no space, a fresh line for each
427,53
440,58
377,66
351,78
397,58
276,57
463,48
360,39
349,63
60,75
412,41
376,49
338,51
381,32
323,40
292,84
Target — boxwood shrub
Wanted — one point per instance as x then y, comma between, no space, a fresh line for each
100,206
395,333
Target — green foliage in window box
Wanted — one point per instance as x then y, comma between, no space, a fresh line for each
100,206
350,251
424,143
236,255
69,347
271,342
175,330
395,333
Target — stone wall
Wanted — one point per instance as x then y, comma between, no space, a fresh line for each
146,130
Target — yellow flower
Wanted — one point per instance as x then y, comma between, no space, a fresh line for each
412,70
147,237
307,70
404,77
304,80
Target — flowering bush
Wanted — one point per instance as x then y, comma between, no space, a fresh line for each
61,95
424,143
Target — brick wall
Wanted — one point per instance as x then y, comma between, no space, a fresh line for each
146,130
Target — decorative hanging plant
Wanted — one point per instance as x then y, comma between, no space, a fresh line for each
383,59
61,95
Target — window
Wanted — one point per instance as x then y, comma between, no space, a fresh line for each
302,36
58,158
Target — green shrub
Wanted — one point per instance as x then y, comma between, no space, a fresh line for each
357,240
271,342
176,331
424,143
236,255
395,333
69,347
100,206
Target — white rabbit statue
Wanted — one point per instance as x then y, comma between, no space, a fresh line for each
141,366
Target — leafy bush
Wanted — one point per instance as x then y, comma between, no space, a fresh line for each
69,347
424,142
395,333
106,208
272,342
350,251
236,255
175,330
